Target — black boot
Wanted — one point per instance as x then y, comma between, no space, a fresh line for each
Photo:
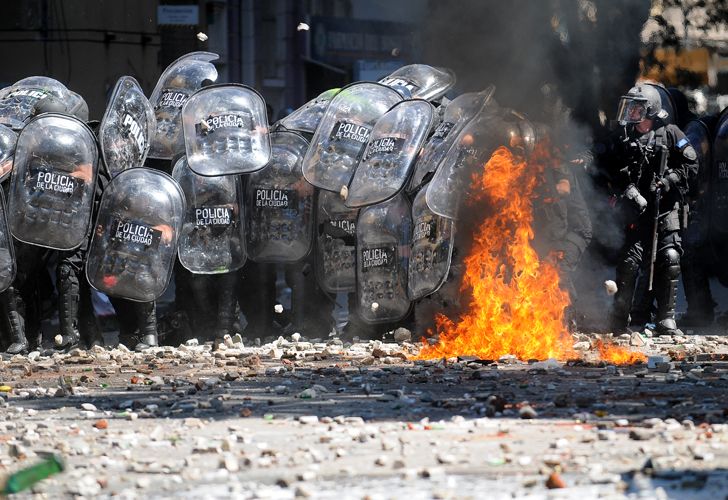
146,315
68,301
16,322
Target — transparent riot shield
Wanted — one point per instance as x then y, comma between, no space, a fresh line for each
343,133
17,102
432,246
335,244
213,237
53,182
383,235
423,81
471,151
135,240
390,153
457,114
127,127
8,140
307,118
226,130
179,81
7,252
280,204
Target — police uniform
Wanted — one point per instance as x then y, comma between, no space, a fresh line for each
636,173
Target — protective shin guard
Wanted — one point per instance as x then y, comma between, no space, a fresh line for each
16,322
68,301
666,291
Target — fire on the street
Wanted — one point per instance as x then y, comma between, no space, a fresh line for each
618,355
517,305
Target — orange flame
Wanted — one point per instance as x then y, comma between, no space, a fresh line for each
517,306
619,355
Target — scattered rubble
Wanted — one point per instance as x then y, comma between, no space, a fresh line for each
309,418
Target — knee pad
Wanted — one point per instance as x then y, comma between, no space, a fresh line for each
668,259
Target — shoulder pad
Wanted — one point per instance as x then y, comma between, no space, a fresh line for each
689,152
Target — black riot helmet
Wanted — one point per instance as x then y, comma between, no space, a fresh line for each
641,102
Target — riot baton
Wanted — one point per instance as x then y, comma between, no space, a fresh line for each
656,221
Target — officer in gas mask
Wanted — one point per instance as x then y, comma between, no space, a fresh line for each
650,164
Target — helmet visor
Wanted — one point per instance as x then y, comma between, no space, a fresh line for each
631,110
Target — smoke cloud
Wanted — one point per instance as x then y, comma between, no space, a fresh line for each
563,63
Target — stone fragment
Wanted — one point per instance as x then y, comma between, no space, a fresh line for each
527,412
637,340
641,434
308,394
555,481
402,335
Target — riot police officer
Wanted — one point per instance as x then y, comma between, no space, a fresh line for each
651,164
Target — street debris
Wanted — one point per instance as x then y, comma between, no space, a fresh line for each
283,419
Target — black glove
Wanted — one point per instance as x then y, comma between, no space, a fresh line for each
633,194
669,180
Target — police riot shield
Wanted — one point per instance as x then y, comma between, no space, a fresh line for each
432,246
7,252
696,234
8,140
226,130
126,128
719,195
179,81
280,204
135,240
53,182
307,118
383,233
17,102
343,133
423,81
472,149
335,244
457,114
213,237
393,145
